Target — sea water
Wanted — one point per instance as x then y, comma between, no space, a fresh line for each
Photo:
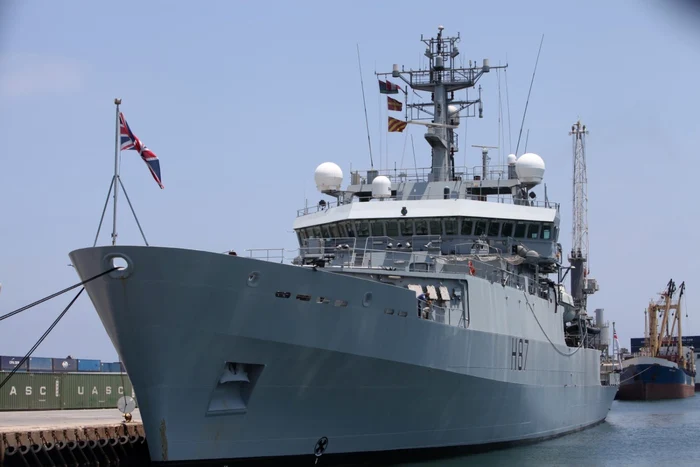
650,433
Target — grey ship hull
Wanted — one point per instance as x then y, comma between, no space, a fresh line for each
366,380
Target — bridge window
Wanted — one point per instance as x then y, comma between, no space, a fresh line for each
341,230
334,230
317,231
494,227
480,227
421,227
377,228
519,230
533,231
547,231
392,229
326,231
349,228
451,226
467,225
406,228
507,230
435,226
362,228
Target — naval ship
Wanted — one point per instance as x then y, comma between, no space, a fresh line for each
419,316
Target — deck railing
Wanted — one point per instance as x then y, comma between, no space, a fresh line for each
500,199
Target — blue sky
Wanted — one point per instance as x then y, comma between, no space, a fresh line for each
241,101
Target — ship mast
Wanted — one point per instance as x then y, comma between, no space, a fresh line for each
442,79
581,284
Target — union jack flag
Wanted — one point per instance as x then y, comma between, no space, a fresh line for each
129,141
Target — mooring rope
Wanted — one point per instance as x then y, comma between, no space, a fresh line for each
41,339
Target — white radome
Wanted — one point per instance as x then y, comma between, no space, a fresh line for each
328,176
512,159
530,168
453,114
381,187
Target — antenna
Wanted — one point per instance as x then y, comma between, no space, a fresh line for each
484,159
362,84
527,138
415,164
528,95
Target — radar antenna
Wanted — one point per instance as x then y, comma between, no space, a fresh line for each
484,159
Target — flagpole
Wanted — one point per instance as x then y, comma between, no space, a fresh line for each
115,179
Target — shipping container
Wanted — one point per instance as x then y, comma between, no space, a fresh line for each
88,365
40,364
31,391
44,391
65,364
116,367
9,363
94,390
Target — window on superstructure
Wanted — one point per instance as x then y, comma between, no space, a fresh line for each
349,229
480,227
451,226
547,231
392,229
467,225
362,228
507,230
494,227
435,226
317,231
326,231
520,228
533,231
377,228
421,227
334,230
406,228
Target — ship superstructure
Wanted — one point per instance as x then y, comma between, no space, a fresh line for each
419,314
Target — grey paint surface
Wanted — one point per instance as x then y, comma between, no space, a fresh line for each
365,379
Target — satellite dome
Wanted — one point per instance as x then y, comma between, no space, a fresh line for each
328,176
453,114
512,159
530,168
381,187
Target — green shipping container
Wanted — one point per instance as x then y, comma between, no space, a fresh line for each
93,390
46,391
31,391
